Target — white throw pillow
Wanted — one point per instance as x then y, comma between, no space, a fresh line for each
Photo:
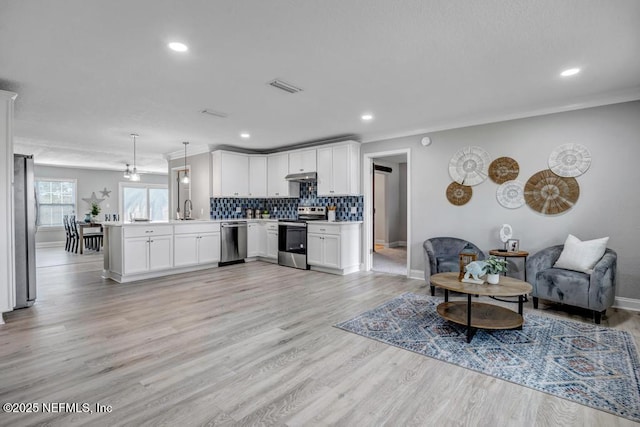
581,256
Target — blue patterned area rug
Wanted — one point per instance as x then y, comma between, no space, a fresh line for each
588,364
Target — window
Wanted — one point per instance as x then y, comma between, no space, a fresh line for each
56,198
144,201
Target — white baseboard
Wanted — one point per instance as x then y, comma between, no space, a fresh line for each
416,274
50,244
627,304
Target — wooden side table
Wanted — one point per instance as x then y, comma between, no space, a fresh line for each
516,254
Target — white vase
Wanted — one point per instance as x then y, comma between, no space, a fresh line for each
493,279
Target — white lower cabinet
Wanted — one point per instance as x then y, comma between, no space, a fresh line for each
160,252
209,248
147,249
262,239
194,249
185,249
196,244
333,248
256,239
136,251
272,241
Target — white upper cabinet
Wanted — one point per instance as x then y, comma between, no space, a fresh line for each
249,175
230,174
338,170
257,176
302,161
277,169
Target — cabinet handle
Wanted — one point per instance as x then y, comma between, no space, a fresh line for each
301,170
322,229
331,191
150,241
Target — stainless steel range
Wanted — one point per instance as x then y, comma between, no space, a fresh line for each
292,236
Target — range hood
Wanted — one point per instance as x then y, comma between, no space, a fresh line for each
302,177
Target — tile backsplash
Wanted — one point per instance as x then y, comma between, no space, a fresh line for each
278,207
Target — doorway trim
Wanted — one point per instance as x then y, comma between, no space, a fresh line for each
367,177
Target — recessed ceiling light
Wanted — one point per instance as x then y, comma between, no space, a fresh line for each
367,117
178,47
570,72
245,135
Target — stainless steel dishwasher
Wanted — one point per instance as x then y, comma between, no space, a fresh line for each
233,242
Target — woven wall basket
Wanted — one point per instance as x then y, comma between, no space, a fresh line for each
551,194
458,194
503,169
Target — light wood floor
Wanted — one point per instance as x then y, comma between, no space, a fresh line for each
249,344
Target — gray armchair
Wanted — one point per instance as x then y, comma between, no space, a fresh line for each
595,291
441,255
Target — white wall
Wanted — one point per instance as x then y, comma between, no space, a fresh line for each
609,200
88,181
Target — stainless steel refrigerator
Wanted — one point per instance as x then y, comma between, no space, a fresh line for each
24,202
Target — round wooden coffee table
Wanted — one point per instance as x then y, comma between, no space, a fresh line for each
479,314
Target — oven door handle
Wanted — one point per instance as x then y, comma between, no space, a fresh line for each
293,224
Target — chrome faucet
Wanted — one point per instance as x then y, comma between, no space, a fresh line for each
187,211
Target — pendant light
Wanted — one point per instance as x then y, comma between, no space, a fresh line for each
134,174
127,172
185,179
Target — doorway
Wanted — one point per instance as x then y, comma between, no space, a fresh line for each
387,222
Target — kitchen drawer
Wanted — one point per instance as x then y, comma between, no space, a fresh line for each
323,228
147,230
192,228
272,226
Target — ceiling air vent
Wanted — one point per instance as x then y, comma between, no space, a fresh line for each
279,84
214,113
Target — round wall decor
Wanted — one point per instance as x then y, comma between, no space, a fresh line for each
551,194
469,166
458,194
503,169
570,160
511,194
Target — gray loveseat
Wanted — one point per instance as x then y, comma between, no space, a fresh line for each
595,291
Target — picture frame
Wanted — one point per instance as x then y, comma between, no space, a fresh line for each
513,245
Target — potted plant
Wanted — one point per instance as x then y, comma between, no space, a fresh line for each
95,211
265,214
493,267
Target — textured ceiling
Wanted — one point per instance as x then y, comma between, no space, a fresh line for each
90,72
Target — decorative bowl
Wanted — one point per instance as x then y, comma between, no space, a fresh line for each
266,216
